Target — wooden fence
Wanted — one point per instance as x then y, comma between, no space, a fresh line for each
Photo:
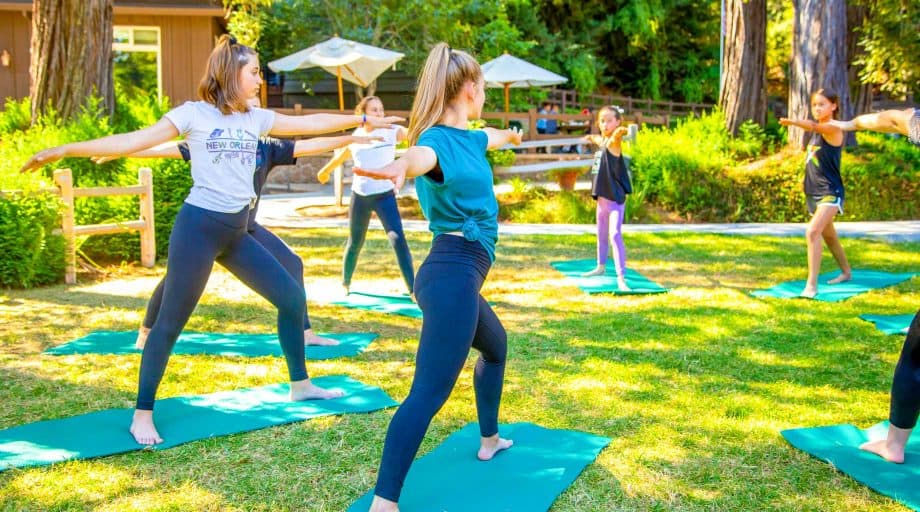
570,98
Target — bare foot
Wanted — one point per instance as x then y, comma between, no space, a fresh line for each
347,288
143,430
883,450
809,292
381,505
142,334
842,278
621,284
305,390
489,446
598,271
311,338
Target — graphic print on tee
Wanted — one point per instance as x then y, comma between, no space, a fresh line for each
229,144
812,155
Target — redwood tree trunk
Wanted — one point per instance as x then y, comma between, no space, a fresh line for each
743,84
71,55
862,93
819,60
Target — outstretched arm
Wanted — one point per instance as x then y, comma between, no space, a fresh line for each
832,133
325,144
416,161
498,138
165,150
326,123
886,121
113,145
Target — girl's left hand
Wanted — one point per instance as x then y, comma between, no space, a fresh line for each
620,132
43,157
374,122
785,121
516,134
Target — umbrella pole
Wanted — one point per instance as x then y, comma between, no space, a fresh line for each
338,75
507,108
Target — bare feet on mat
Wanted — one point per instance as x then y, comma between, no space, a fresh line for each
143,430
489,446
621,284
883,450
142,334
809,292
306,390
842,278
381,505
598,271
311,338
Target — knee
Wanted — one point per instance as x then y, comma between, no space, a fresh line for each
813,234
295,302
396,238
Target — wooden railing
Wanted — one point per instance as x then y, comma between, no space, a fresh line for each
64,180
570,98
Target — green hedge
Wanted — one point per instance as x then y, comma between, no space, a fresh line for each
32,254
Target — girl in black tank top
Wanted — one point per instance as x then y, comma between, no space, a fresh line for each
823,187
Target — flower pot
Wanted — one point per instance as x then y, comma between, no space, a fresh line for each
567,180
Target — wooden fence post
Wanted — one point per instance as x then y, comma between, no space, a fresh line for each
64,179
338,185
148,233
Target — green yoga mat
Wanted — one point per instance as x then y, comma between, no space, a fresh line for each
839,446
890,324
528,477
382,303
193,343
179,420
638,284
862,281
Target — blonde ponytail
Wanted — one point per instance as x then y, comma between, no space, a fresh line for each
441,80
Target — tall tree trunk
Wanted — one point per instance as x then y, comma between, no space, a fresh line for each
71,55
743,84
862,93
819,60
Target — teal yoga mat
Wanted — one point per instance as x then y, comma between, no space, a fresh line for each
863,281
638,284
527,477
193,343
839,446
382,303
890,324
179,420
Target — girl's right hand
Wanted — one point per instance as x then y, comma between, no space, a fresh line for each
374,122
393,172
620,132
44,157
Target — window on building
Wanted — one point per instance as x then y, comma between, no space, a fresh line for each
137,62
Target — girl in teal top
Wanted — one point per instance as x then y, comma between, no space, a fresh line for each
454,185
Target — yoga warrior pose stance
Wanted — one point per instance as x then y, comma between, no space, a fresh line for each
222,132
824,192
369,195
610,187
454,185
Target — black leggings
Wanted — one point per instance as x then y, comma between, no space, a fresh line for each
905,389
455,318
281,252
199,238
359,216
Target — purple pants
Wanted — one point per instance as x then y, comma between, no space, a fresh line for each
606,208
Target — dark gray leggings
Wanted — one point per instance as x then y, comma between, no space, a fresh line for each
456,317
359,216
280,250
199,238
905,388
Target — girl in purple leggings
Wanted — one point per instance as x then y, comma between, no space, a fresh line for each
611,184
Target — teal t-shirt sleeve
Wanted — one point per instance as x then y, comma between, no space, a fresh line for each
434,139
482,138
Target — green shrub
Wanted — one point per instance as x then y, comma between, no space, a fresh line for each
32,254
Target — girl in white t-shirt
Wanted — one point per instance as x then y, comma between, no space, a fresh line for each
369,195
222,133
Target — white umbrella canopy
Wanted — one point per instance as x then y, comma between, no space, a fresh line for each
358,63
509,71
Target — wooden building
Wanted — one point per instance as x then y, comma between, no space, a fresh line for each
175,36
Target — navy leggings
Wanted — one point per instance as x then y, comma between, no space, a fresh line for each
905,390
199,238
455,318
359,216
281,252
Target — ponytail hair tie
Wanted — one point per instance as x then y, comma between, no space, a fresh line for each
232,40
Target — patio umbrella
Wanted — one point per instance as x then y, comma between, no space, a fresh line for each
508,71
358,63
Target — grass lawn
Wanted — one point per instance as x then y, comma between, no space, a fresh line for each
693,386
